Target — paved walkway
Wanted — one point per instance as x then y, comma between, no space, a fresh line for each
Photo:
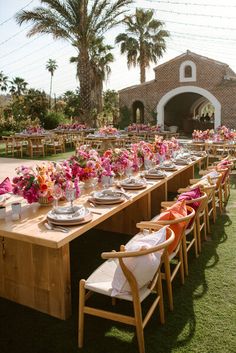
8,166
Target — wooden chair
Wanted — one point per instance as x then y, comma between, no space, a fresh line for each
54,145
176,257
218,189
100,282
13,146
192,235
36,146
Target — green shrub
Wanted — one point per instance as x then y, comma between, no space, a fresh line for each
125,117
52,119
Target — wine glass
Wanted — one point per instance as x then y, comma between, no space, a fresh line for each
139,163
121,171
57,193
70,194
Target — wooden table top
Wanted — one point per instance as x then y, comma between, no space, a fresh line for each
31,228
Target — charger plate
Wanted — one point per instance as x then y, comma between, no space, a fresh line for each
70,219
106,202
106,195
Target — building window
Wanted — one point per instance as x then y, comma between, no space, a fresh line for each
187,71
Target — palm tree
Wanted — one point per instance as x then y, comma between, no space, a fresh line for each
77,21
144,40
100,58
3,82
18,86
51,66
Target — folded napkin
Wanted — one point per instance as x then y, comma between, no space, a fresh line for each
5,186
64,217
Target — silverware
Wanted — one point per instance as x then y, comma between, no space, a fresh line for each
50,226
95,212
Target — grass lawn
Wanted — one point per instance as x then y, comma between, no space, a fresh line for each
203,321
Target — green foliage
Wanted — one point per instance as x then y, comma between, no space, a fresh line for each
72,103
125,117
52,119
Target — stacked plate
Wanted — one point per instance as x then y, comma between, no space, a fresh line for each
133,184
67,216
169,166
182,161
154,173
107,197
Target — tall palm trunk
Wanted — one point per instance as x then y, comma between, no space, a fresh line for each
142,64
83,72
50,93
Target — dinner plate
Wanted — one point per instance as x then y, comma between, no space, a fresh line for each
182,162
106,195
133,186
86,219
171,168
79,216
67,209
106,202
155,176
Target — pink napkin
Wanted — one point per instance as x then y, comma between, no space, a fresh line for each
190,195
5,186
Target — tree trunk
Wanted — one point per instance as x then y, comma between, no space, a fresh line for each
50,94
83,72
142,64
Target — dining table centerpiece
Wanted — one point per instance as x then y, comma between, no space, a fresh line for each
34,184
85,165
108,131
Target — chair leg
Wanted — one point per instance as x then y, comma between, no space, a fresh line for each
205,225
196,241
207,219
168,282
161,304
185,254
81,313
139,324
181,263
199,235
214,208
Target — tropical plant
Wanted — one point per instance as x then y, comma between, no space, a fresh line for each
144,41
111,105
3,82
18,86
52,119
79,22
73,103
51,66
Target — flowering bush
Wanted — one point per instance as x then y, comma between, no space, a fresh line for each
108,131
33,183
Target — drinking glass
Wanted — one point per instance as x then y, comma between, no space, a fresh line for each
16,210
57,193
121,171
70,194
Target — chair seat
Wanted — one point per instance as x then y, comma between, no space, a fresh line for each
101,279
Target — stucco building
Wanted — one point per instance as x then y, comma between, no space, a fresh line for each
180,90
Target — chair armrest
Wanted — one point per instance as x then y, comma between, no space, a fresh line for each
194,181
180,190
203,172
166,204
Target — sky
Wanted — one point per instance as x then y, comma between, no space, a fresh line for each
205,27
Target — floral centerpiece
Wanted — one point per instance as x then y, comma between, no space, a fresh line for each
71,127
31,130
85,164
224,133
199,135
119,160
108,131
144,127
34,184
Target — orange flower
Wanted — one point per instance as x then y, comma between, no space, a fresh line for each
43,187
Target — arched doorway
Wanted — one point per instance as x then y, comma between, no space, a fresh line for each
138,112
195,93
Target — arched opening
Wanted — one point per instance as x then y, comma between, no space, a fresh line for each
181,107
138,112
188,71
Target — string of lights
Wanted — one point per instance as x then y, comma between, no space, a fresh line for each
12,17
185,3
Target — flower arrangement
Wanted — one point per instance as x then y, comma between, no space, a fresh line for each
144,127
34,183
85,164
37,129
119,160
222,133
74,126
108,131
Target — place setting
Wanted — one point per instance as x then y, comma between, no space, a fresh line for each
68,215
168,166
107,197
154,173
133,183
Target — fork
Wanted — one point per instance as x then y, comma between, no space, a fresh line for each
50,226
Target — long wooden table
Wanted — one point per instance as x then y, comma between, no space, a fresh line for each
35,262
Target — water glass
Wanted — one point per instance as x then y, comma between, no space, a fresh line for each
57,193
16,210
2,212
70,196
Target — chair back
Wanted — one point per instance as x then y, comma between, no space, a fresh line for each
123,254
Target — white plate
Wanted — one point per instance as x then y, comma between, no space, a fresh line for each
106,195
66,210
78,216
